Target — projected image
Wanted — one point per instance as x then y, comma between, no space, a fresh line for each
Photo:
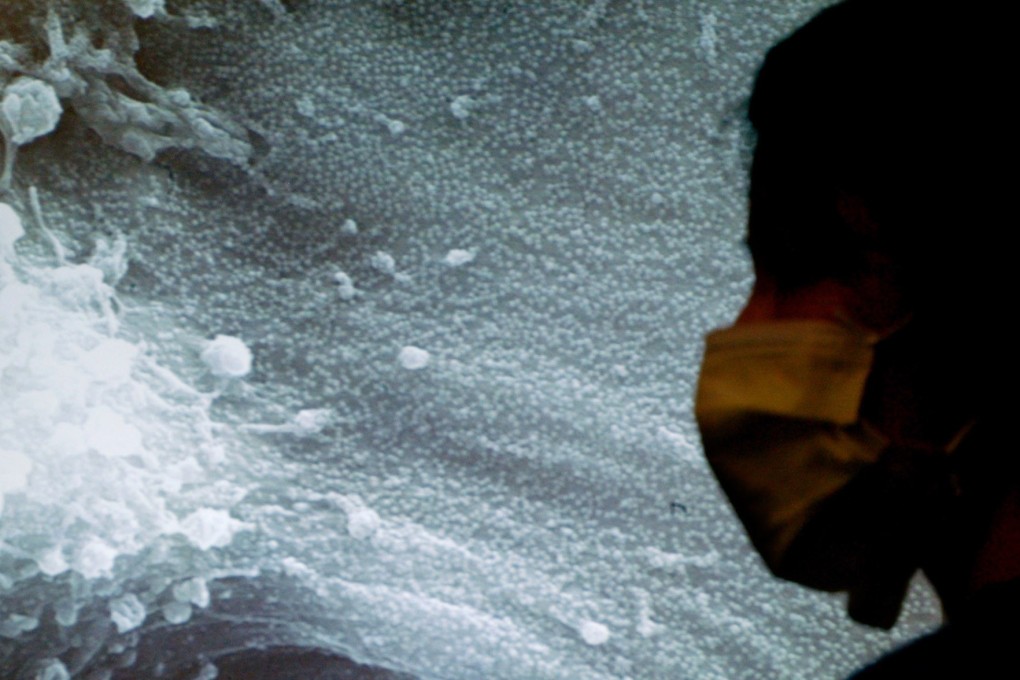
360,339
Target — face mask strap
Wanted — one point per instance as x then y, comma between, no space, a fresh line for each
842,317
957,439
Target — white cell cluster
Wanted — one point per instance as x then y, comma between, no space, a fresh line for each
97,434
345,286
145,8
52,669
15,624
227,357
127,612
362,523
413,358
176,613
384,263
192,591
95,558
594,633
312,420
29,109
211,528
107,433
458,257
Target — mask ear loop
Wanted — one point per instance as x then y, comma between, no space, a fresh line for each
957,439
873,336
951,456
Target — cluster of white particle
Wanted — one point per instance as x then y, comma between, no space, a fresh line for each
102,368
95,558
82,286
211,528
708,39
457,257
127,612
275,6
227,357
461,106
65,612
395,126
208,671
192,591
306,107
593,632
581,46
101,441
145,8
295,567
52,562
362,521
349,227
383,262
109,434
677,563
112,360
311,421
16,624
345,286
176,612
646,627
100,81
305,423
413,358
110,258
52,669
29,109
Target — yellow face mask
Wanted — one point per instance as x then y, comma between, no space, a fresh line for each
825,499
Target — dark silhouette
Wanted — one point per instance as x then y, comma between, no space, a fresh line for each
878,217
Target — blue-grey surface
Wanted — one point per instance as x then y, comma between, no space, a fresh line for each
472,248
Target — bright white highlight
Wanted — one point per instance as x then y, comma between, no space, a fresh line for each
458,257
127,612
145,8
29,109
227,357
192,591
209,528
593,633
413,358
107,433
384,263
345,286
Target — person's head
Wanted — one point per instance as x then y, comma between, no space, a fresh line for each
882,138
880,131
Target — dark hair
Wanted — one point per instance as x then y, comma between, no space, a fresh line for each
896,106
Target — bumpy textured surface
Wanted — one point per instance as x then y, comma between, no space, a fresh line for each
472,247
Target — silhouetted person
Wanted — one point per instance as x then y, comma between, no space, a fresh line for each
856,413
